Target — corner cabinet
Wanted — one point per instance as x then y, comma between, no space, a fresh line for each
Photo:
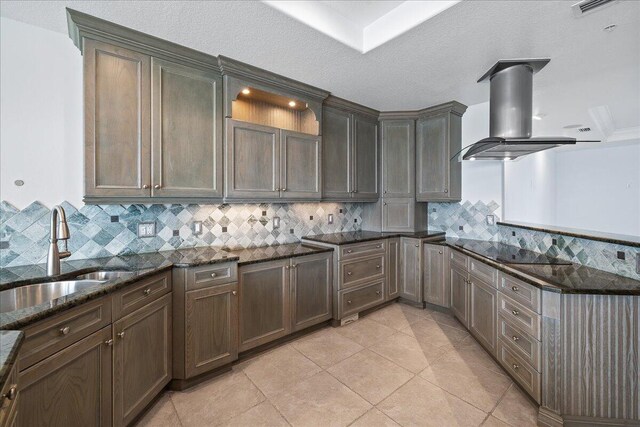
438,142
153,128
350,153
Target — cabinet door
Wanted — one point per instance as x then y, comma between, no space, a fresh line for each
264,303
211,328
483,311
337,161
393,278
311,290
435,286
300,166
117,158
141,358
398,158
70,388
459,294
432,159
186,137
365,148
411,269
252,161
398,214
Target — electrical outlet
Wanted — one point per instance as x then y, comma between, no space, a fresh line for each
146,229
491,220
197,228
330,218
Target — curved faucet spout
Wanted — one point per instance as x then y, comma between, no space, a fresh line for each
59,231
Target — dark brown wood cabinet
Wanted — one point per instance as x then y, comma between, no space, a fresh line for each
141,358
71,387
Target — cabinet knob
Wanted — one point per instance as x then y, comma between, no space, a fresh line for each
213,275
515,338
146,186
234,293
286,267
515,288
12,393
385,191
147,292
65,330
355,191
515,366
515,312
417,246
157,186
384,204
440,252
446,191
377,292
378,246
349,302
349,273
283,189
349,251
377,265
109,342
120,334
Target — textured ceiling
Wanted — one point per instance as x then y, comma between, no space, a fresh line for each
435,62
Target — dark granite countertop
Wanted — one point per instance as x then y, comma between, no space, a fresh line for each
272,253
10,342
562,277
365,236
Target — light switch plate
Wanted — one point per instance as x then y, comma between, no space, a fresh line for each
276,222
330,218
197,228
491,220
146,229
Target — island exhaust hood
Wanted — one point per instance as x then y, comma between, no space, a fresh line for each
510,113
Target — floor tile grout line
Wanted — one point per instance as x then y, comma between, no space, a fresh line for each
173,405
512,385
457,397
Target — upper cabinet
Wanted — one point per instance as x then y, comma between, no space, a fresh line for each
351,152
273,142
438,143
398,158
153,116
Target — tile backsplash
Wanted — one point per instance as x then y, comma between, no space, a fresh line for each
107,230
465,220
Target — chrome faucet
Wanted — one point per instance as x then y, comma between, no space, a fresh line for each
59,231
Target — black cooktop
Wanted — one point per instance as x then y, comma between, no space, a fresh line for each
508,254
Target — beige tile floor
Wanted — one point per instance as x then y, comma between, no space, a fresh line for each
397,366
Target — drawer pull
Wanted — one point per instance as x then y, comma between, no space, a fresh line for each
234,293
440,252
349,251
120,334
109,342
213,275
349,302
287,267
515,312
378,266
515,338
147,292
378,246
377,292
12,393
515,366
65,330
514,288
349,273
417,246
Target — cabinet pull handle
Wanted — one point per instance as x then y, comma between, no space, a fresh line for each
349,273
12,393
417,246
377,292
65,330
109,342
379,246
440,252
515,366
515,338
349,251
283,189
157,186
514,288
120,334
146,186
234,293
446,191
349,302
515,312
147,292
213,275
377,265
355,191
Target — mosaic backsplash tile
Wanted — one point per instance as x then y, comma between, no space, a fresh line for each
465,220
107,230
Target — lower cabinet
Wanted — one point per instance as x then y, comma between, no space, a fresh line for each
141,358
311,290
393,272
70,388
411,282
459,294
435,286
483,312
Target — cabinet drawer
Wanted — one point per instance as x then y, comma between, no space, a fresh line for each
9,398
520,342
361,270
139,294
356,300
210,275
52,335
522,292
519,316
524,373
456,258
483,272
358,250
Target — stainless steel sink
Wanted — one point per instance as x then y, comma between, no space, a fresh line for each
106,275
30,295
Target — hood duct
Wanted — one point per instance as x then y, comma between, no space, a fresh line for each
511,113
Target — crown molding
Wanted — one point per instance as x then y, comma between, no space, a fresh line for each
343,104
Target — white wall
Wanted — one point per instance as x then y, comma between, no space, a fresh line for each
40,116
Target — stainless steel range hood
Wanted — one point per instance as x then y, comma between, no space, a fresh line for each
510,113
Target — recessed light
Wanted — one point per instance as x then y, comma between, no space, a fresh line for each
609,28
292,103
246,91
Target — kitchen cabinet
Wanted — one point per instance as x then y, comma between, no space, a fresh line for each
350,152
438,142
264,162
9,398
141,358
394,281
436,289
153,128
411,282
311,290
483,312
459,294
71,387
398,158
264,303
400,214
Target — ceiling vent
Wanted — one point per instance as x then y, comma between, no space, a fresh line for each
588,6
584,130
